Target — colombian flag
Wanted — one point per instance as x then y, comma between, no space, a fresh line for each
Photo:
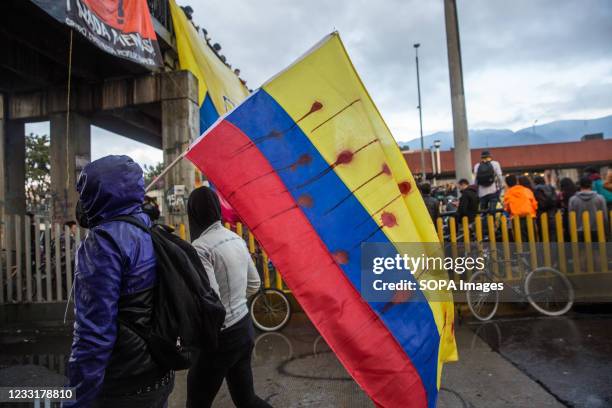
219,89
310,166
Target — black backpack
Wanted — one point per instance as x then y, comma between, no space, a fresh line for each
546,198
187,313
485,176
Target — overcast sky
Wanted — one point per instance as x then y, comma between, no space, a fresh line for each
523,60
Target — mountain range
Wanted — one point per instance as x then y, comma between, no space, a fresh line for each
553,132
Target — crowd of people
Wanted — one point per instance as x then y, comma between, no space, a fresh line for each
521,196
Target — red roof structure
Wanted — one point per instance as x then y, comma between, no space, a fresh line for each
526,157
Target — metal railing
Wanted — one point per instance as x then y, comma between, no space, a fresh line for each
160,10
37,260
37,257
552,233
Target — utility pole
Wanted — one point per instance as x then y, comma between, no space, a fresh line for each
463,161
423,176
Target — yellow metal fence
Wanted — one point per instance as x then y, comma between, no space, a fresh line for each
535,234
529,234
34,269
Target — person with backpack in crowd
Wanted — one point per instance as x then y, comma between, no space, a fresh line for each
110,364
598,185
546,197
520,202
488,176
234,277
587,200
468,202
431,202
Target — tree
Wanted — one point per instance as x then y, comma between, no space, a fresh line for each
150,172
38,173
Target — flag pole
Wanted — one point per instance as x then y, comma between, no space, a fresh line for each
166,170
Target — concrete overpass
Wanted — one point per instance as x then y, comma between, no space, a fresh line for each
157,107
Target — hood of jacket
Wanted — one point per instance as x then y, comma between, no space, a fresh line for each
110,186
518,191
586,195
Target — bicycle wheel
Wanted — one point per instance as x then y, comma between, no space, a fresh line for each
549,291
270,310
483,305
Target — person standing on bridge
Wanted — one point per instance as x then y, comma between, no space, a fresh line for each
233,276
110,365
488,178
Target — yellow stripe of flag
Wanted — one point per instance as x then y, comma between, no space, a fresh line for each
354,124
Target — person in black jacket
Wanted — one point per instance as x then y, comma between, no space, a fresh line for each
432,203
468,203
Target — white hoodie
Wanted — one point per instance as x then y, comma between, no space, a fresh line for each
230,270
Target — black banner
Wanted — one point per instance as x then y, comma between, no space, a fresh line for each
121,28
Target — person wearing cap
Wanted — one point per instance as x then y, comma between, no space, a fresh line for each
488,176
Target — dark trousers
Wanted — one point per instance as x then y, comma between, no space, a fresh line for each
231,361
489,202
155,397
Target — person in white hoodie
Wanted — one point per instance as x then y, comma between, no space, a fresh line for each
587,200
234,277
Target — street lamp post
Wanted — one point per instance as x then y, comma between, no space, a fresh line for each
437,145
416,49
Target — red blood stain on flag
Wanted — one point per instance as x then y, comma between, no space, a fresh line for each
345,157
305,201
341,257
388,219
405,187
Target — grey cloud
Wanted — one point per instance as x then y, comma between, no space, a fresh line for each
265,36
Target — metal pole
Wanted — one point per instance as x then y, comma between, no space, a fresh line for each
463,165
433,164
166,170
438,161
416,49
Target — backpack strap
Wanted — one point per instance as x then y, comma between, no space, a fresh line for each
130,219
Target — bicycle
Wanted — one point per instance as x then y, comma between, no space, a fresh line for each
545,288
269,308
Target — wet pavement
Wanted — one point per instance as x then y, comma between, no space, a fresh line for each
518,362
569,356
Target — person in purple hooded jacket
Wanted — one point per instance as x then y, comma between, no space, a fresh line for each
115,276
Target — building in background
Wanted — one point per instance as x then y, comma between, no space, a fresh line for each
552,160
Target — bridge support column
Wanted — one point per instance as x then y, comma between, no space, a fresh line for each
180,126
70,152
12,164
